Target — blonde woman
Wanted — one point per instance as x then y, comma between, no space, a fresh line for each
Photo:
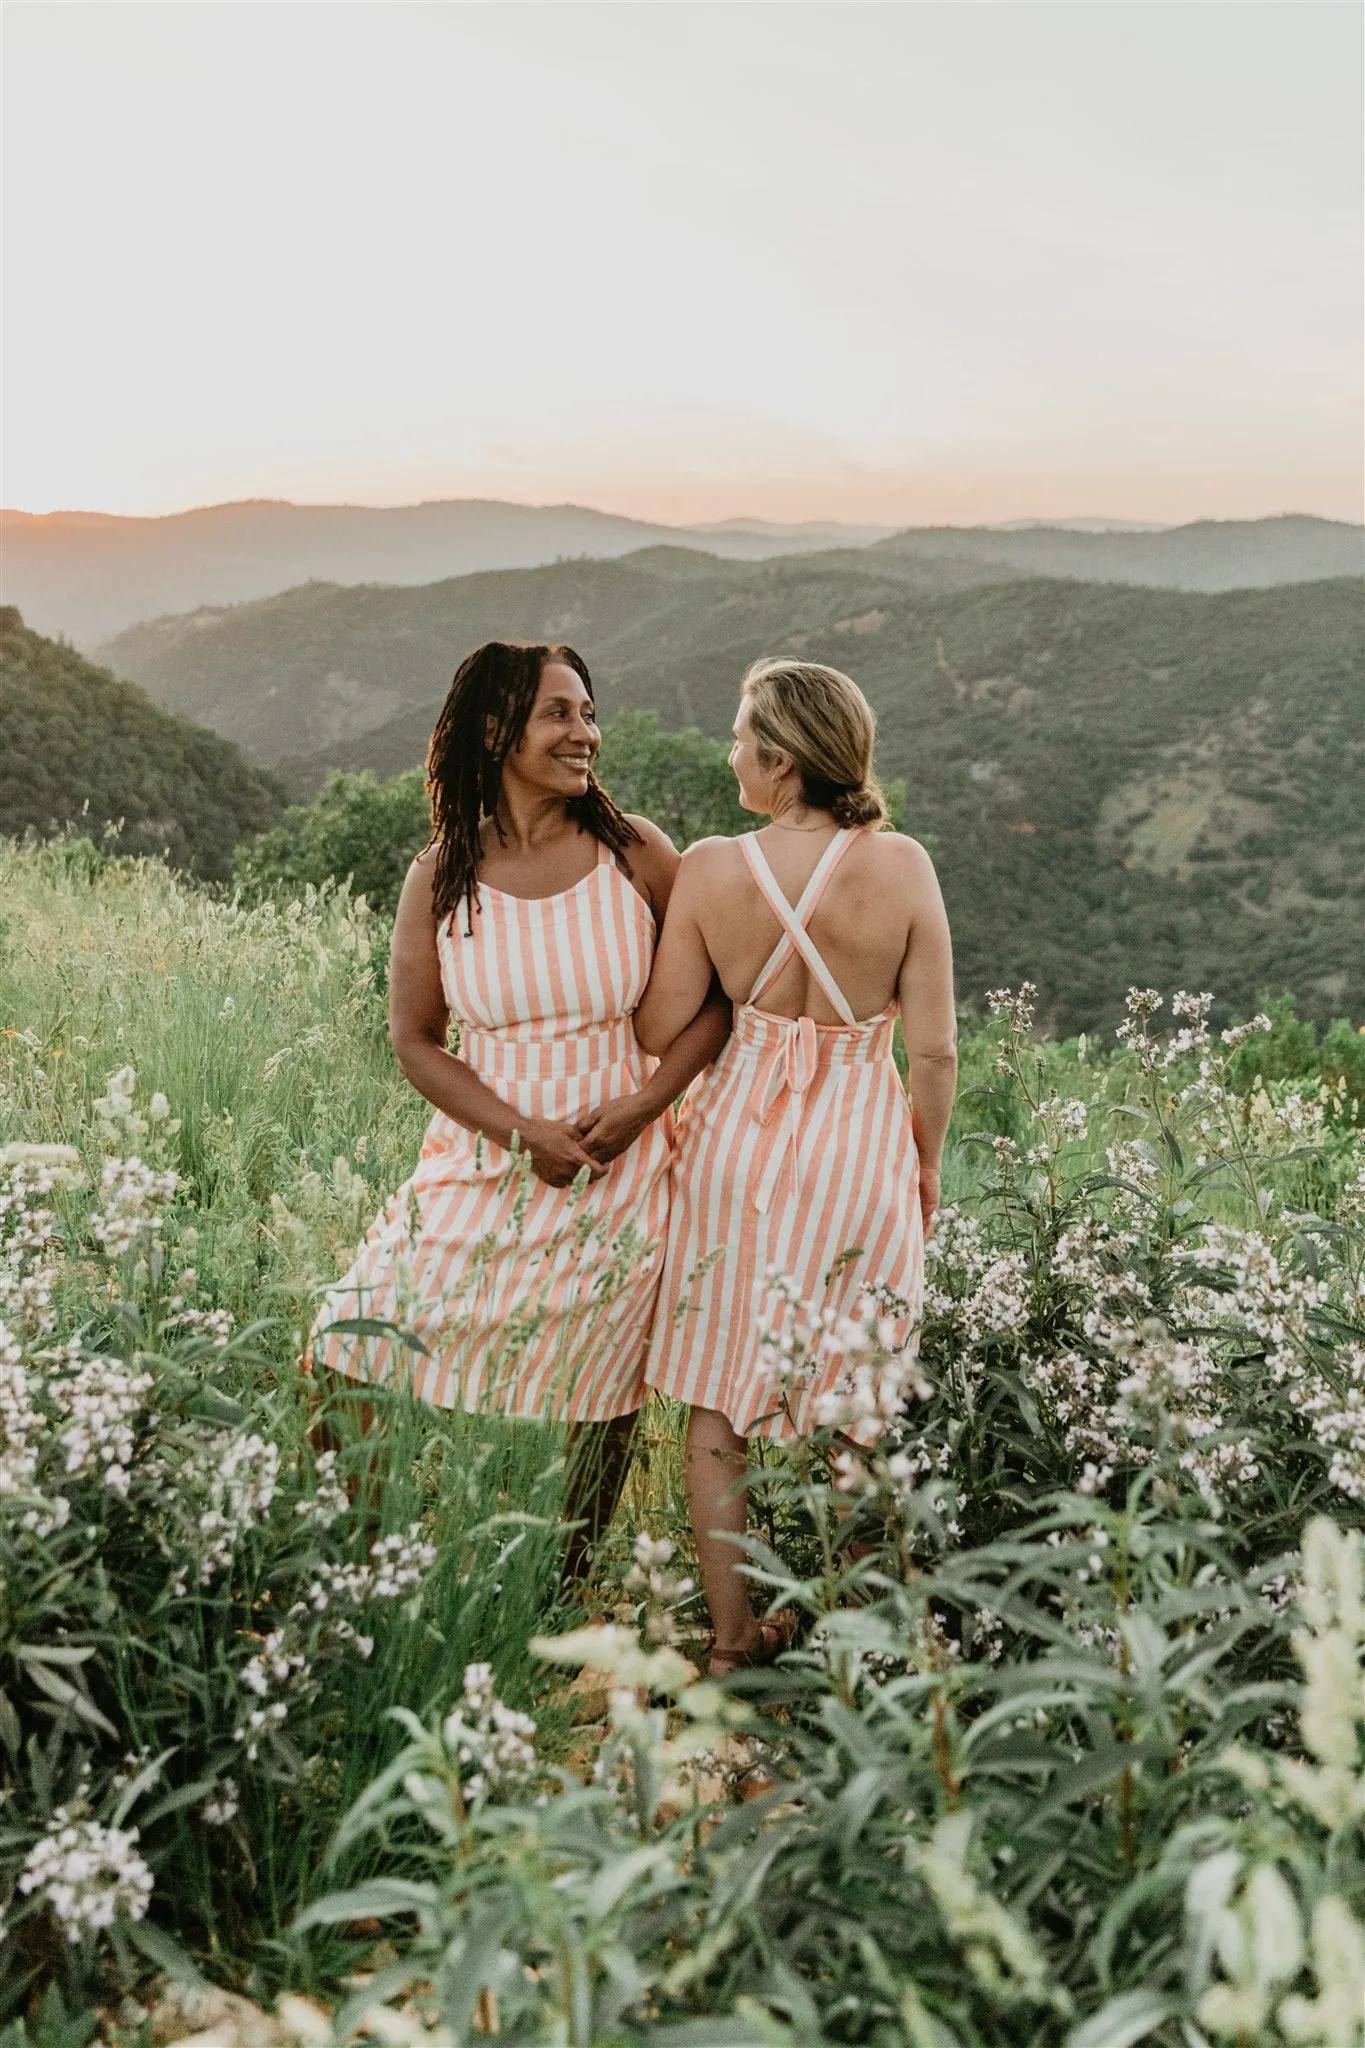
799,1151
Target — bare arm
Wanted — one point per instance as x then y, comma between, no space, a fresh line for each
929,1021
612,1126
418,1023
683,974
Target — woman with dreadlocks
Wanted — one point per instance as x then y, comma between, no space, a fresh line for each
518,1270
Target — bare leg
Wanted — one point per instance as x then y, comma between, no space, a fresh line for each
321,1433
717,1460
597,1455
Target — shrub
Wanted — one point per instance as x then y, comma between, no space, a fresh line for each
355,830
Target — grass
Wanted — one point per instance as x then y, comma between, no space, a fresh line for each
264,1030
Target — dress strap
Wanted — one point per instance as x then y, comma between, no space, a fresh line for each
794,917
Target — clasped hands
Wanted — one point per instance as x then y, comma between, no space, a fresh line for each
560,1151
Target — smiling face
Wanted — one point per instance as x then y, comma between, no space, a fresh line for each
555,753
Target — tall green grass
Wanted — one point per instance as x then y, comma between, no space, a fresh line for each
264,1028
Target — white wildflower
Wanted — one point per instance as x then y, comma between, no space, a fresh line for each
492,1742
329,1501
132,1196
278,1667
90,1875
239,1474
101,1403
397,1565
222,1806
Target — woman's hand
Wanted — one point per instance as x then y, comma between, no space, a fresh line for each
612,1128
928,1197
558,1155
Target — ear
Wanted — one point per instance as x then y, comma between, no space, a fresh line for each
490,730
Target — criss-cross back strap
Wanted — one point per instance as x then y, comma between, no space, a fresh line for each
795,917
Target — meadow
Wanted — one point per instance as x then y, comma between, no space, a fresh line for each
1071,1747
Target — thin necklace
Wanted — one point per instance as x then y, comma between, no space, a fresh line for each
802,828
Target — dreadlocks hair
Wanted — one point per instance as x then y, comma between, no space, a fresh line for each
481,723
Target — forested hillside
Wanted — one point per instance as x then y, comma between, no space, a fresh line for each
303,678
1124,785
77,746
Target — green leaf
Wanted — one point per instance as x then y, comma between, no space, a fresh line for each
367,1326
209,1405
165,1951
1084,1779
1124,2020
373,1901
69,1696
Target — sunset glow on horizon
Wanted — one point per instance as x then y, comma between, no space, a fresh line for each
898,265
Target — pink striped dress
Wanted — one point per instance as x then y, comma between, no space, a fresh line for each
511,1296
795,1149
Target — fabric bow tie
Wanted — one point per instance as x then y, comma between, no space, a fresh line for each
791,1069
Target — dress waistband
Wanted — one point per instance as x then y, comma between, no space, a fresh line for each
793,1049
762,1031
498,1056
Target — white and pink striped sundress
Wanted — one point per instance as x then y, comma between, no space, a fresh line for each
794,1150
525,1299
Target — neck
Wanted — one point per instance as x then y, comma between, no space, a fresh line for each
527,818
792,813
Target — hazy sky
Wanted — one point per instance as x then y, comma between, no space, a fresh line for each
901,262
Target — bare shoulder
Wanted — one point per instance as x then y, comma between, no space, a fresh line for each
418,885
709,865
901,858
901,848
653,838
651,861
715,856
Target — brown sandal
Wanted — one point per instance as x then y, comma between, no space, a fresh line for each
775,1635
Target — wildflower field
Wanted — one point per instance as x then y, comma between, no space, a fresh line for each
1070,1748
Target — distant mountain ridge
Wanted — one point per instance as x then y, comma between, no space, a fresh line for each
1210,554
90,575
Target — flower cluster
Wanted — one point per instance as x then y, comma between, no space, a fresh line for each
89,1875
1257,1293
278,1668
490,1742
1013,1009
979,1293
397,1566
659,1590
118,1119
28,1233
21,1424
222,1807
329,1500
132,1196
101,1402
862,1364
1336,1411
214,1323
239,1475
